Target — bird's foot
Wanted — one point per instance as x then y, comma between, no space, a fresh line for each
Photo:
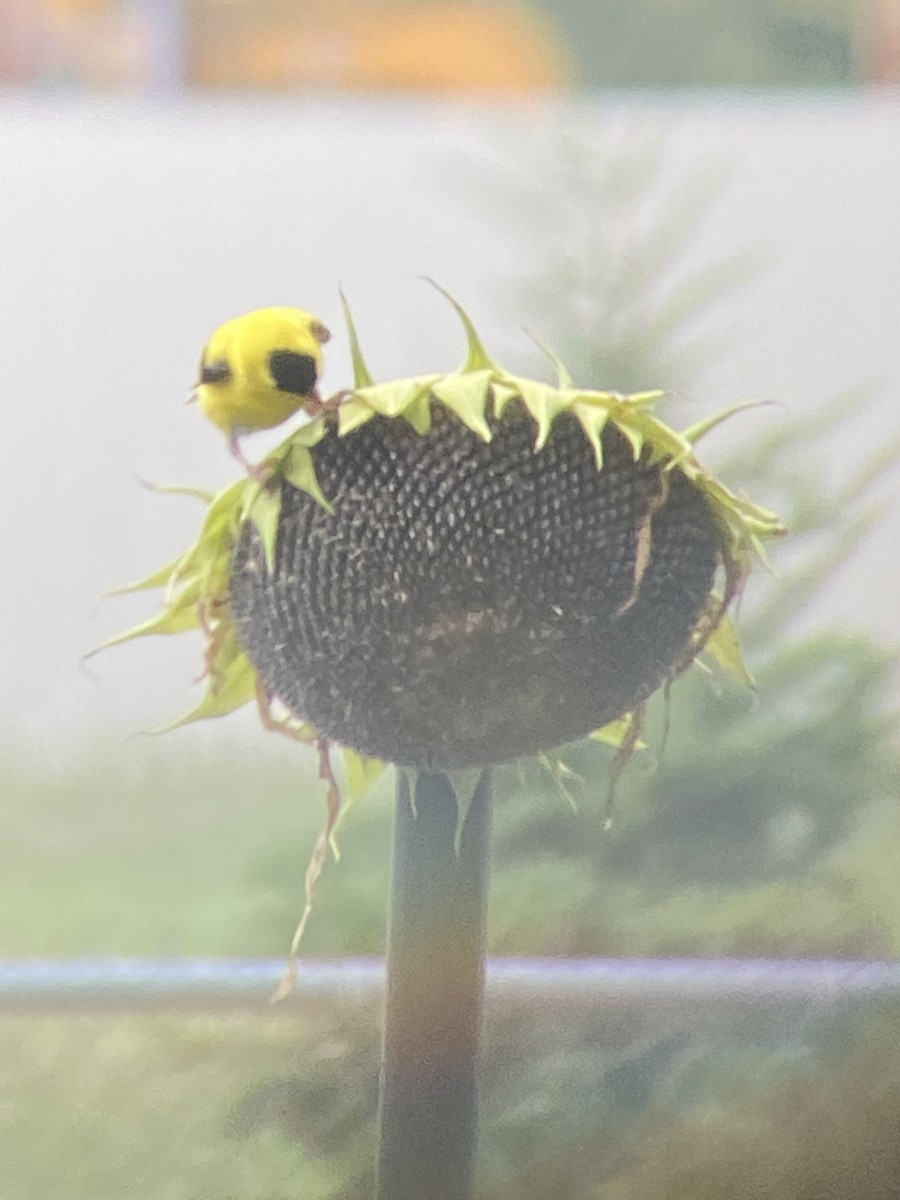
315,405
261,472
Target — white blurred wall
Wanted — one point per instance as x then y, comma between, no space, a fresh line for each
129,231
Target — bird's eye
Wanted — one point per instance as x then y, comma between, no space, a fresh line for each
293,372
215,372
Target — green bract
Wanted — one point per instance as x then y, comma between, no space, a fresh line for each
196,584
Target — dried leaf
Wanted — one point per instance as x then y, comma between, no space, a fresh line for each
314,869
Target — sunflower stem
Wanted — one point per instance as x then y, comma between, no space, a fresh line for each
435,985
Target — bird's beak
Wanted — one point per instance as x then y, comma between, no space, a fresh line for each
192,397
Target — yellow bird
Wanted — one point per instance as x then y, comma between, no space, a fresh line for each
259,369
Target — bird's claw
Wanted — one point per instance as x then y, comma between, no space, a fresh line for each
263,472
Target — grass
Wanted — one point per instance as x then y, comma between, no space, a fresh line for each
99,1109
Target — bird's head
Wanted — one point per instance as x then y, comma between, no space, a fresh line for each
259,369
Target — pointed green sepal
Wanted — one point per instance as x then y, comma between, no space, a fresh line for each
477,358
361,376
592,418
701,428
309,434
352,414
235,688
178,489
418,413
466,396
761,553
544,403
362,773
724,646
393,399
180,619
300,471
159,579
264,513
642,400
220,524
634,434
563,378
663,442
616,733
464,782
502,394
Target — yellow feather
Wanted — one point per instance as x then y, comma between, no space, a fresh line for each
237,389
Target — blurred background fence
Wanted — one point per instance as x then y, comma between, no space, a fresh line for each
211,985
629,1078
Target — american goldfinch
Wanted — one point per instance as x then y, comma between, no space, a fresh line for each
259,369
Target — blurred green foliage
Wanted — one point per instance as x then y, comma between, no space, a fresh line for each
738,43
154,848
709,1100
